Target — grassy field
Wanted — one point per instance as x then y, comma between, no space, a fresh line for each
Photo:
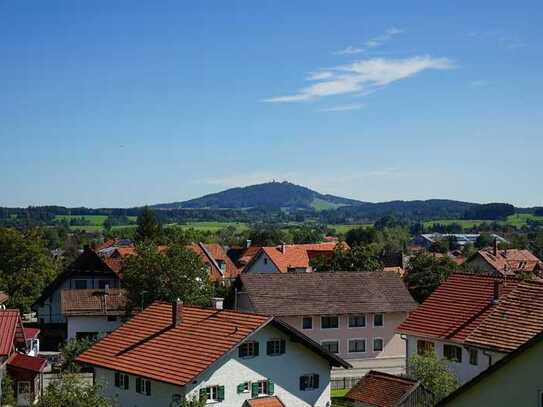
517,220
322,205
96,222
339,392
520,219
213,226
342,229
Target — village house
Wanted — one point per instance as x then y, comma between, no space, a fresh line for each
352,314
18,347
513,381
288,258
378,389
506,262
172,352
473,321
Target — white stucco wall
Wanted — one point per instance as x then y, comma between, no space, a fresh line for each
98,324
464,371
229,371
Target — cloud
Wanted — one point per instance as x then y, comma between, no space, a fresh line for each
371,43
343,108
362,75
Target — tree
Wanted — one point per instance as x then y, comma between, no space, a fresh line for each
361,236
483,240
174,273
71,350
433,374
26,267
425,272
8,393
148,228
108,224
359,258
70,391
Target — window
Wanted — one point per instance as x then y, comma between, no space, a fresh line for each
212,393
378,320
331,346
122,381
307,323
452,353
357,321
248,350
87,335
261,388
425,347
329,322
265,260
243,387
102,284
143,386
357,345
80,284
276,347
309,382
377,344
473,357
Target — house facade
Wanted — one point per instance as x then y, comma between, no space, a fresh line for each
170,352
507,263
473,321
346,313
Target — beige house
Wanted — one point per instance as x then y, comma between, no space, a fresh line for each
513,381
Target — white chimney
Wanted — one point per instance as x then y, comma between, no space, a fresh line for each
248,243
217,303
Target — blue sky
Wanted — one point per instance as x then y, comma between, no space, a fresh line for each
126,103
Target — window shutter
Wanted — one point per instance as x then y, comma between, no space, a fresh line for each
269,349
117,379
254,390
256,348
240,351
148,387
138,385
241,387
283,346
220,393
271,387
302,383
203,394
316,381
126,382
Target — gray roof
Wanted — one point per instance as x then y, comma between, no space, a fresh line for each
284,294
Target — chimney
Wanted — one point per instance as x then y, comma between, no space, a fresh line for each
283,248
217,303
496,295
495,247
248,243
177,313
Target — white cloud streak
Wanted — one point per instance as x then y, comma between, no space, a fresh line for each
343,108
374,42
362,75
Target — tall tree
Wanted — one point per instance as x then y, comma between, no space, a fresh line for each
165,275
359,258
26,267
425,272
433,374
70,391
148,228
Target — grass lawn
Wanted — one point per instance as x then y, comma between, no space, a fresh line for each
321,205
212,226
339,392
518,220
466,223
342,229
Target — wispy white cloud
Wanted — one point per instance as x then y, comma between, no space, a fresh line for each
343,108
362,75
371,43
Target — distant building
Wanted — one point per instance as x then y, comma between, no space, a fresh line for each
352,314
507,262
428,239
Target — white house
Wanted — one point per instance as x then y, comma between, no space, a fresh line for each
472,321
171,352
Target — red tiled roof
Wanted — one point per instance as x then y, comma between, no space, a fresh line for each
213,253
22,361
265,402
248,254
31,333
516,319
456,307
511,261
148,345
11,330
3,297
381,389
93,302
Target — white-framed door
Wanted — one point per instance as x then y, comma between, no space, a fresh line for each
24,394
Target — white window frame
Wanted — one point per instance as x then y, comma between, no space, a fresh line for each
357,315
264,385
373,344
383,318
357,339
302,324
333,340
212,389
330,316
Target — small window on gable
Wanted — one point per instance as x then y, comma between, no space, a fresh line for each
265,260
309,382
212,394
248,350
275,347
262,388
307,323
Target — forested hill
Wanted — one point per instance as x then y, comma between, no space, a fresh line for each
270,195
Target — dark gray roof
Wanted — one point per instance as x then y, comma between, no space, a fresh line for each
284,294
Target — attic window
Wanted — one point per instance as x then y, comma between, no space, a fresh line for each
265,260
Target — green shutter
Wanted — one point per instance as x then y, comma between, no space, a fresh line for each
256,348
316,381
254,390
283,346
148,387
138,385
302,383
220,393
203,394
126,382
241,388
269,350
117,379
271,387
